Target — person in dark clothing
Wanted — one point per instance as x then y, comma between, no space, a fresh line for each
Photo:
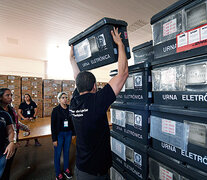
28,111
5,105
62,128
88,108
7,141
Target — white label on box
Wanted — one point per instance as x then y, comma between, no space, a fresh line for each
129,83
138,81
120,115
129,118
194,36
203,32
82,50
168,76
130,154
138,120
197,133
182,39
137,159
165,174
120,118
170,27
169,126
196,74
123,88
118,148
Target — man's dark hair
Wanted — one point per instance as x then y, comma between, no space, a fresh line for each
85,81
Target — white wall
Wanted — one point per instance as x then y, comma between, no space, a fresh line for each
22,67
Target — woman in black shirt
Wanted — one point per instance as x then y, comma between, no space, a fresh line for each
5,105
61,127
28,111
7,145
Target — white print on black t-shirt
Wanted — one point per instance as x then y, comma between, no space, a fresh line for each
78,113
3,121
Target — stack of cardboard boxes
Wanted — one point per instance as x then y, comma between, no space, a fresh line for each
14,84
51,90
68,86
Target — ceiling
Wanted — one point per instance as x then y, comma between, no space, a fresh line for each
28,28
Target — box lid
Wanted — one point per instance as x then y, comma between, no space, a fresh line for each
131,106
95,26
171,109
133,68
144,45
129,142
183,170
169,10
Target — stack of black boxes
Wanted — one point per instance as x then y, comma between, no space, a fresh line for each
130,119
179,83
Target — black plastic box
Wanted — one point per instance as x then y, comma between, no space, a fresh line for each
181,134
163,167
130,155
118,173
182,84
143,53
179,31
95,47
132,121
138,87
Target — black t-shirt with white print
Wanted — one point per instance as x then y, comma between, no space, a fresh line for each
5,120
28,109
92,129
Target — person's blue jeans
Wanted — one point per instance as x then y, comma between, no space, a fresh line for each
2,164
64,140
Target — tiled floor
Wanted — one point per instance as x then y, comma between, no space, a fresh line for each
36,163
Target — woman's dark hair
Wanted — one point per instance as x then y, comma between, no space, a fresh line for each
2,91
29,97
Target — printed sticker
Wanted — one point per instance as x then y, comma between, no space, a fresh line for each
130,118
138,80
203,32
93,44
165,174
101,41
138,120
123,88
170,27
182,40
194,36
120,115
82,50
196,74
118,148
129,82
120,118
125,35
168,76
130,154
137,159
169,126
197,133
